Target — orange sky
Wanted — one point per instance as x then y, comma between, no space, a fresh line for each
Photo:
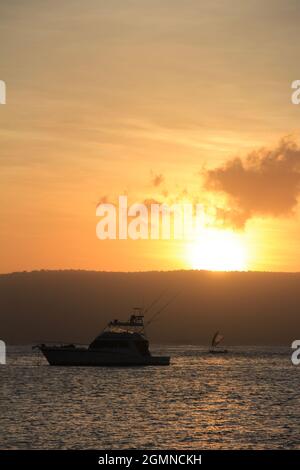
103,96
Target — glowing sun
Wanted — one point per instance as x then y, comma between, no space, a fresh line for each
217,250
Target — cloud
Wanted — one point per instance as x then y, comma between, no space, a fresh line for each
265,183
157,179
103,200
148,202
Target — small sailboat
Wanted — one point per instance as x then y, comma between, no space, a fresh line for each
216,340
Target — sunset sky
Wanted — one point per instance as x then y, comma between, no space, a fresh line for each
167,100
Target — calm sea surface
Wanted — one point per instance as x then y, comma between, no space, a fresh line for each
249,398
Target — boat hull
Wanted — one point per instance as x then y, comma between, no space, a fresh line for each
218,351
93,358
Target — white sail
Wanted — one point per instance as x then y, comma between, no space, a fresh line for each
217,338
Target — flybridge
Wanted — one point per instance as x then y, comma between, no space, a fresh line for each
135,321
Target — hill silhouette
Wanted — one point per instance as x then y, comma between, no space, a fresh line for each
248,307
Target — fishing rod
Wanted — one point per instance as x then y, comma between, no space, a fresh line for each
155,301
161,310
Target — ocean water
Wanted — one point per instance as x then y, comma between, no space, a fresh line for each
247,399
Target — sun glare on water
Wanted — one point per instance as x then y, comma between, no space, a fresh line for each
217,250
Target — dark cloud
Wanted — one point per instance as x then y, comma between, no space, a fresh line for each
102,200
148,202
157,179
265,183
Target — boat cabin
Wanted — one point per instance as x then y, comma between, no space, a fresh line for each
122,335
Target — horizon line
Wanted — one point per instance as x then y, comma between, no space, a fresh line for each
43,270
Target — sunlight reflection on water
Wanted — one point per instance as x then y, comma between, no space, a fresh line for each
246,399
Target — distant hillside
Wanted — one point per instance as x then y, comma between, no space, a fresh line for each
249,308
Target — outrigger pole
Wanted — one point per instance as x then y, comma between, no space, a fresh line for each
160,310
154,302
